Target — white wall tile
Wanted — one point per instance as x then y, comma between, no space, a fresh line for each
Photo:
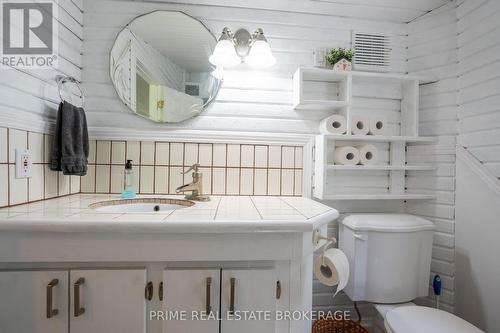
176,154
36,183
247,155
103,152
273,182
102,175
17,139
162,153
299,158
75,184
87,181
207,180
118,152
190,154
233,155
260,182
261,156
205,154
161,179
175,178
147,179
298,182
64,184
218,181
4,189
274,156
133,151
18,189
147,152
51,182
287,157
3,145
35,145
233,181
117,178
246,182
219,155
287,182
92,149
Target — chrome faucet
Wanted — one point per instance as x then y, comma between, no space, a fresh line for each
195,187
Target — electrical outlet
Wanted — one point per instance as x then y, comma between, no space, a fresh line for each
23,163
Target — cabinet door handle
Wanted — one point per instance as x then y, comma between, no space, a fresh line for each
231,297
208,307
50,311
160,291
148,291
78,310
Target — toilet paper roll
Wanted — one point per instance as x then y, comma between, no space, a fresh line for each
335,124
360,125
368,155
332,269
378,126
346,155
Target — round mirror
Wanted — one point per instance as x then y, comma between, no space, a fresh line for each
159,66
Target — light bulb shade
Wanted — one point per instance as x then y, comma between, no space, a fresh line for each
260,55
224,54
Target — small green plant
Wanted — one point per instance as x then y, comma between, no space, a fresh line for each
335,55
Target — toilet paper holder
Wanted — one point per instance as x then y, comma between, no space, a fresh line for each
330,241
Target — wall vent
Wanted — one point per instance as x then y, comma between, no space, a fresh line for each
372,52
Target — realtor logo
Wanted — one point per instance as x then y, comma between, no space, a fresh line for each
29,33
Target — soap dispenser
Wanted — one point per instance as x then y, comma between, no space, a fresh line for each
128,175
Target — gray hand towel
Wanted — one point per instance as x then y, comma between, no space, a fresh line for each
70,148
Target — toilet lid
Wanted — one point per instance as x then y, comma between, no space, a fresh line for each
420,319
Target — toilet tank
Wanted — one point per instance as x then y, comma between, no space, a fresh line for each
389,256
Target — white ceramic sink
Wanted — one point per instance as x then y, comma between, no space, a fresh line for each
140,205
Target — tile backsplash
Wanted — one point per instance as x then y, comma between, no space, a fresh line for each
228,169
44,183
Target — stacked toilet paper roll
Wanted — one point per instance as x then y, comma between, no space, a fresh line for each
335,124
378,126
332,269
360,125
346,155
368,154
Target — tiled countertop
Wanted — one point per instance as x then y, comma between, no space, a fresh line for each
226,214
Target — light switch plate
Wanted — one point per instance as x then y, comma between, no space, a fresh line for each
23,163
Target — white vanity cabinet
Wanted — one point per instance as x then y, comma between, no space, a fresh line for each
220,292
78,301
34,302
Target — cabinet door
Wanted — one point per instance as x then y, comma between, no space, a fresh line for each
29,300
191,292
252,290
104,301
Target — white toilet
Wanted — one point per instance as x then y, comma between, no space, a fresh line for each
390,258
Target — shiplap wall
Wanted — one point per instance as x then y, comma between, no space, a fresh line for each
249,101
29,98
479,80
432,52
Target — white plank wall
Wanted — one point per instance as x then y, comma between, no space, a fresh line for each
29,98
248,101
479,80
432,51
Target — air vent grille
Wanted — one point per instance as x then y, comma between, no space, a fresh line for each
372,51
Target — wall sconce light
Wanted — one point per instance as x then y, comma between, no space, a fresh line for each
233,49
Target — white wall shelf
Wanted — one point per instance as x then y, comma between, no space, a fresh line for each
405,196
381,167
381,138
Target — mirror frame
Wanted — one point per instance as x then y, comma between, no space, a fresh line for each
219,81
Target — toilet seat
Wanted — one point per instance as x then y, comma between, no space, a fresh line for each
420,319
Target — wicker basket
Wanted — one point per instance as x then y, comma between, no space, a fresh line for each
337,326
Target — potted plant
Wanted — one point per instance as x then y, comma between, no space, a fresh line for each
340,58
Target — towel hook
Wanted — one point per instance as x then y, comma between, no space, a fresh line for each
61,80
